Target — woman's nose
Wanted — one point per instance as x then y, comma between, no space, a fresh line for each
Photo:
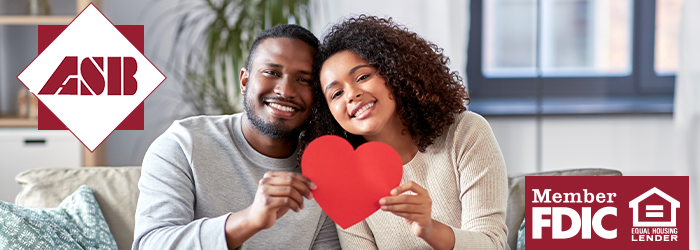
354,93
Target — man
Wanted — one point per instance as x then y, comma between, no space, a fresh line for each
217,182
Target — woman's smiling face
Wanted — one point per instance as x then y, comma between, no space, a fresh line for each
357,96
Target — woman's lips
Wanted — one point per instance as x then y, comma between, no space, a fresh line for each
364,111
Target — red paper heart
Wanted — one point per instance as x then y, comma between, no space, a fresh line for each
350,182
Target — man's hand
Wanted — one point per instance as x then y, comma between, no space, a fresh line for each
278,192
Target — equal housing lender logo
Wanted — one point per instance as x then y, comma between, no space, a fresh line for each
91,77
607,212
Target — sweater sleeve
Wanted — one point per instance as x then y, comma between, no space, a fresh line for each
483,186
358,237
327,237
165,209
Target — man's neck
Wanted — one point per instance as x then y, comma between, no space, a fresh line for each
264,144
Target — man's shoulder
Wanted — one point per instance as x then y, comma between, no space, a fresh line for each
187,131
202,125
184,136
206,121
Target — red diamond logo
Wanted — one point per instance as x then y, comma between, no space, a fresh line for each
91,77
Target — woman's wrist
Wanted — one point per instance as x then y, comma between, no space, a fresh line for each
426,232
438,235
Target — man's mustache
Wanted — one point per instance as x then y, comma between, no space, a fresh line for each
283,99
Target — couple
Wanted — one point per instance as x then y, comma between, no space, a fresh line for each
217,182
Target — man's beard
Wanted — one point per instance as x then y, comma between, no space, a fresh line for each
275,129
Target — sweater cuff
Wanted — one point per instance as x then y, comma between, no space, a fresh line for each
213,232
462,238
471,240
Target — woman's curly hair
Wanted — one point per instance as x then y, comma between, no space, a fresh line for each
427,93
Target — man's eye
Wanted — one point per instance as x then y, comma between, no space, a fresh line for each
336,94
304,80
270,72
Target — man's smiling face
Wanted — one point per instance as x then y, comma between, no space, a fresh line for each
277,89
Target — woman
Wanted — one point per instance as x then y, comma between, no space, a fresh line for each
380,82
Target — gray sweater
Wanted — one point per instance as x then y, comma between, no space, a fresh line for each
201,170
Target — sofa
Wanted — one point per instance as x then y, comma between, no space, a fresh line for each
116,191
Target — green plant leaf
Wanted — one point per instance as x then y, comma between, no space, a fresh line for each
213,37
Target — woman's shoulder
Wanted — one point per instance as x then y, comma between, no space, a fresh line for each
468,122
466,126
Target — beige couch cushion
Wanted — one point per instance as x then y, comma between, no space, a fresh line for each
115,188
516,196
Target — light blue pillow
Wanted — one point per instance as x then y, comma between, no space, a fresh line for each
521,236
77,223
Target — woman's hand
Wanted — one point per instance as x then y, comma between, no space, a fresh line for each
414,208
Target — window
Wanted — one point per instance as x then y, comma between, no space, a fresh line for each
572,56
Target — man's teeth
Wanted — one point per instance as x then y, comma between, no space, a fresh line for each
280,107
364,108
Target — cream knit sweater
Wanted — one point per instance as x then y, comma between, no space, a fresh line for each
465,175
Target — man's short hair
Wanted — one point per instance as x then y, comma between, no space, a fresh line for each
282,31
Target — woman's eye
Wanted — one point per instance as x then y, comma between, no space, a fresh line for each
362,77
336,94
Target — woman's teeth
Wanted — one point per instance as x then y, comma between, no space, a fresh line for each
280,107
364,108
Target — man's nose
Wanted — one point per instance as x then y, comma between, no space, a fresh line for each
286,87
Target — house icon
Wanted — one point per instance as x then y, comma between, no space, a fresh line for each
654,210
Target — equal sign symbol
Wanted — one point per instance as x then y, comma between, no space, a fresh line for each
655,208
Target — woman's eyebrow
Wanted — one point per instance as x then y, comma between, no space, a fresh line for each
351,71
330,85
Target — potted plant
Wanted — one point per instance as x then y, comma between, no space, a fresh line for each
213,38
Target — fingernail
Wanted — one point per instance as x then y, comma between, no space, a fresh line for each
313,186
311,195
382,201
384,208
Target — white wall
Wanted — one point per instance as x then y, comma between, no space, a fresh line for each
443,22
124,147
633,144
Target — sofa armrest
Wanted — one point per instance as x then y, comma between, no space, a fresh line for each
516,196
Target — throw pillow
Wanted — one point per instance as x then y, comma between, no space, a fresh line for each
521,236
77,223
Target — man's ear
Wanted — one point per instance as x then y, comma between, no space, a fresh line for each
244,79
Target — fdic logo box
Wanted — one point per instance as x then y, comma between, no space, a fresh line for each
607,212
